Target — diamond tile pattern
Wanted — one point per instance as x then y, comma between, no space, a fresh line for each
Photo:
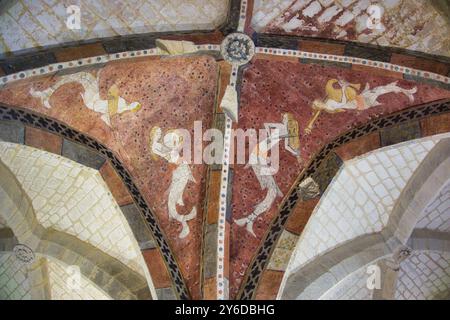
74,199
32,23
437,214
424,276
14,284
360,198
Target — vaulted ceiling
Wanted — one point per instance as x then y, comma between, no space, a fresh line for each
414,25
25,25
94,186
363,201
67,201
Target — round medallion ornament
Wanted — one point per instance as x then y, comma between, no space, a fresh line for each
24,253
237,48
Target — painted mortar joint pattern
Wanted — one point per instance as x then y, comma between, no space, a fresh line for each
37,121
42,23
413,25
131,42
216,49
65,174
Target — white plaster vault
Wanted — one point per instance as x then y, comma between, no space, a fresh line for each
69,198
31,23
364,196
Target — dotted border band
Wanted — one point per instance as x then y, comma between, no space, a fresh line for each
55,67
242,16
354,60
222,282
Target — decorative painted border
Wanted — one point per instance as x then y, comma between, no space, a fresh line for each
18,133
222,282
91,61
294,42
222,279
261,259
42,122
354,60
55,67
234,21
242,16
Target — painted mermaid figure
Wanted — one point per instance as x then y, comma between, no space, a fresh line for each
170,151
287,131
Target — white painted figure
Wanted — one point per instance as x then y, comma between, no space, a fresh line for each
169,150
91,95
347,97
287,130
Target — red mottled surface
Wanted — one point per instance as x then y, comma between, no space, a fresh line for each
174,93
271,88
